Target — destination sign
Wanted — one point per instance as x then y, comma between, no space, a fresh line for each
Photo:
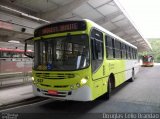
60,27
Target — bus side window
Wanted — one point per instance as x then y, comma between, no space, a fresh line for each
6,54
123,51
136,53
97,48
128,52
113,47
97,44
109,47
132,53
117,49
126,47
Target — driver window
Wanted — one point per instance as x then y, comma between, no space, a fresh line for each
97,49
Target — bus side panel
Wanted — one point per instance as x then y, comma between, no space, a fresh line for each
136,66
130,64
117,68
120,72
98,77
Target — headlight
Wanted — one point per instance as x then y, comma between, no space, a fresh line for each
33,78
84,80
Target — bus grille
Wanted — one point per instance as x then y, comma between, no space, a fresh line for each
55,75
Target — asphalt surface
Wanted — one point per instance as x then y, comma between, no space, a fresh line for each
140,96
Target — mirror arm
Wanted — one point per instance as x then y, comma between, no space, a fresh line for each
25,49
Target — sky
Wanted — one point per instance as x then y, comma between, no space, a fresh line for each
145,14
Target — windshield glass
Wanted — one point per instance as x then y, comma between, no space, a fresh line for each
62,53
147,59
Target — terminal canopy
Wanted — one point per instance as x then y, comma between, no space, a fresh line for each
22,17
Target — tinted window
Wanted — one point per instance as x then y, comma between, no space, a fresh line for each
110,47
117,49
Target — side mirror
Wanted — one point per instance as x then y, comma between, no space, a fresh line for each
28,49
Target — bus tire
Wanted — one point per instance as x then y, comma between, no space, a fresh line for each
133,76
109,87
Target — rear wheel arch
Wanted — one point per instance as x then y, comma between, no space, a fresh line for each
110,85
133,75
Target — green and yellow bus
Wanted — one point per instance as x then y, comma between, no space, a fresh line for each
80,60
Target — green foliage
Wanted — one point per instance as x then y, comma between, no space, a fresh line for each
158,58
155,43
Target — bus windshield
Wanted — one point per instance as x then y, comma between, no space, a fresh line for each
147,59
69,52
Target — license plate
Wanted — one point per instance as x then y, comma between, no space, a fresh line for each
52,92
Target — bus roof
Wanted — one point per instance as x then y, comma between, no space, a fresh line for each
109,33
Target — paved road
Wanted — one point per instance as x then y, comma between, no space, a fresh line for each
140,96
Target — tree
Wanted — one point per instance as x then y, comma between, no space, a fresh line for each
155,43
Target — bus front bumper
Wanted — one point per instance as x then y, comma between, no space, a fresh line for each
81,94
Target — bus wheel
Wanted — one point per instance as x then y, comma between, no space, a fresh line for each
109,87
133,76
